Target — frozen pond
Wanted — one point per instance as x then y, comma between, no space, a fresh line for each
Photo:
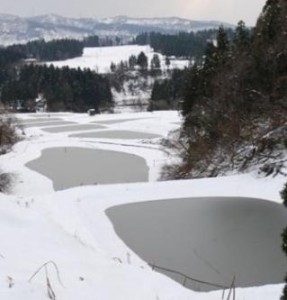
71,167
210,239
77,127
44,124
117,134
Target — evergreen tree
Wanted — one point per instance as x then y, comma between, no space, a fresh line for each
222,40
142,61
132,62
192,91
210,59
113,67
167,62
155,62
241,36
222,45
271,22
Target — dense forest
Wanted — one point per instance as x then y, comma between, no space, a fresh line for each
8,58
64,89
235,105
49,51
183,44
53,50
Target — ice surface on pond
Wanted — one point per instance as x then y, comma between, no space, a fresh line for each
69,167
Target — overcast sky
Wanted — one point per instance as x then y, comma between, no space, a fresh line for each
222,10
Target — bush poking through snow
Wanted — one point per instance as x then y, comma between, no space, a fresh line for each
6,182
8,135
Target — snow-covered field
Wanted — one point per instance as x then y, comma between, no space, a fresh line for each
100,59
70,228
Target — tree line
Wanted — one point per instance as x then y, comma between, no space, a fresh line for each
140,62
240,84
41,50
49,51
183,44
64,89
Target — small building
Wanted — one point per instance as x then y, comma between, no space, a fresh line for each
30,61
91,112
41,103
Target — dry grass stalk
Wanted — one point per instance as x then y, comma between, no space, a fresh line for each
50,291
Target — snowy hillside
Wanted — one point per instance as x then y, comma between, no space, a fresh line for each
136,90
70,231
15,29
99,59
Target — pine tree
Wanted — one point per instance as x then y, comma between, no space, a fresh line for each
167,62
241,37
210,59
132,62
222,46
142,61
193,90
155,62
113,67
271,19
222,40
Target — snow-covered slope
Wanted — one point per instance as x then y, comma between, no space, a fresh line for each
99,59
70,228
14,29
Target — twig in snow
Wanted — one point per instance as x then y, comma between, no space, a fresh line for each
50,291
45,266
232,290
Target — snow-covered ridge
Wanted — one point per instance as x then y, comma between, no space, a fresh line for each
14,29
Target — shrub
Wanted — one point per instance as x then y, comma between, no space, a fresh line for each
6,180
8,137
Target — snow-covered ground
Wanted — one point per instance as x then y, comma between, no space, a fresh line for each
99,59
70,228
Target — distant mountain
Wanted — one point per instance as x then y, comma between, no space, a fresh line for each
15,29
